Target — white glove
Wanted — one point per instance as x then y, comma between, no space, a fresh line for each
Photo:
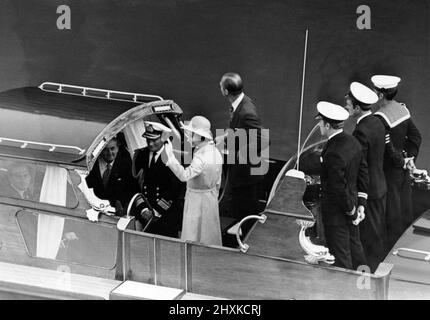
360,215
409,164
168,147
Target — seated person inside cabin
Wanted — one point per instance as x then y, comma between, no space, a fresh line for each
19,184
160,187
111,177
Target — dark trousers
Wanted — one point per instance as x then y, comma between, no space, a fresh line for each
373,232
343,242
399,205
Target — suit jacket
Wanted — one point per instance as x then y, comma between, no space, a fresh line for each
343,175
163,190
246,117
121,185
370,132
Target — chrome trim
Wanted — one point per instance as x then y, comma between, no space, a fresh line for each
107,93
426,253
243,246
52,146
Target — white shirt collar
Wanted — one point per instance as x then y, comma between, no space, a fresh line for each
364,115
236,102
335,134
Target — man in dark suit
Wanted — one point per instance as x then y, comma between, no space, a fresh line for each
370,132
245,131
344,183
406,140
162,189
111,177
19,183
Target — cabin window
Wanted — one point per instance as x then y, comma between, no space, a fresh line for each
68,239
31,181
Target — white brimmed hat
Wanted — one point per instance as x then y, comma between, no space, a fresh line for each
385,82
331,112
199,125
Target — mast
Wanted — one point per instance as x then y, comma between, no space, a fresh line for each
301,96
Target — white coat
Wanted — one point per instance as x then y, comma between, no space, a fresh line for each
201,222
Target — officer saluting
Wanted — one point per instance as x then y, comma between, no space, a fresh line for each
406,140
343,179
164,192
370,132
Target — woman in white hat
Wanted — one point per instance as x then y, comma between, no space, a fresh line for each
201,221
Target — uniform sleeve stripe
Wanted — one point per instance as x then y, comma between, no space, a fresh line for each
362,195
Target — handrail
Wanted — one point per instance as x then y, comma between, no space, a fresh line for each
52,146
243,246
426,253
91,92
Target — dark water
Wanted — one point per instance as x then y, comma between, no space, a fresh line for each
179,50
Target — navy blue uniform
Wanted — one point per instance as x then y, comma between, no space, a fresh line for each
406,141
343,175
164,192
370,132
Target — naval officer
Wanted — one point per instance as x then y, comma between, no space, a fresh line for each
344,182
164,192
370,132
406,140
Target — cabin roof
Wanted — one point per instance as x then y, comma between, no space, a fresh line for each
68,121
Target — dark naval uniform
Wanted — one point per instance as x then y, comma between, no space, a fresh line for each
343,176
370,132
163,190
406,140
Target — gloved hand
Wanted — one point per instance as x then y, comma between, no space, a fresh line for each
168,148
409,164
360,215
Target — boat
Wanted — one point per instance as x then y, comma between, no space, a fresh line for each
68,244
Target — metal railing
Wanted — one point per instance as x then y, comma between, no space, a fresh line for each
51,146
97,93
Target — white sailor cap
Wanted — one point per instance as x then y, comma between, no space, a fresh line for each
331,112
361,93
153,130
385,82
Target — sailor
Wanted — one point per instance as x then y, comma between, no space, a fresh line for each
344,184
370,132
164,192
406,140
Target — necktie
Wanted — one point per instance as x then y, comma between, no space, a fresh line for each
231,112
154,154
106,175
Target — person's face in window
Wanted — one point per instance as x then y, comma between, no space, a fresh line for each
154,144
20,177
110,151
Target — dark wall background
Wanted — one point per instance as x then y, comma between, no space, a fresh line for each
179,49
